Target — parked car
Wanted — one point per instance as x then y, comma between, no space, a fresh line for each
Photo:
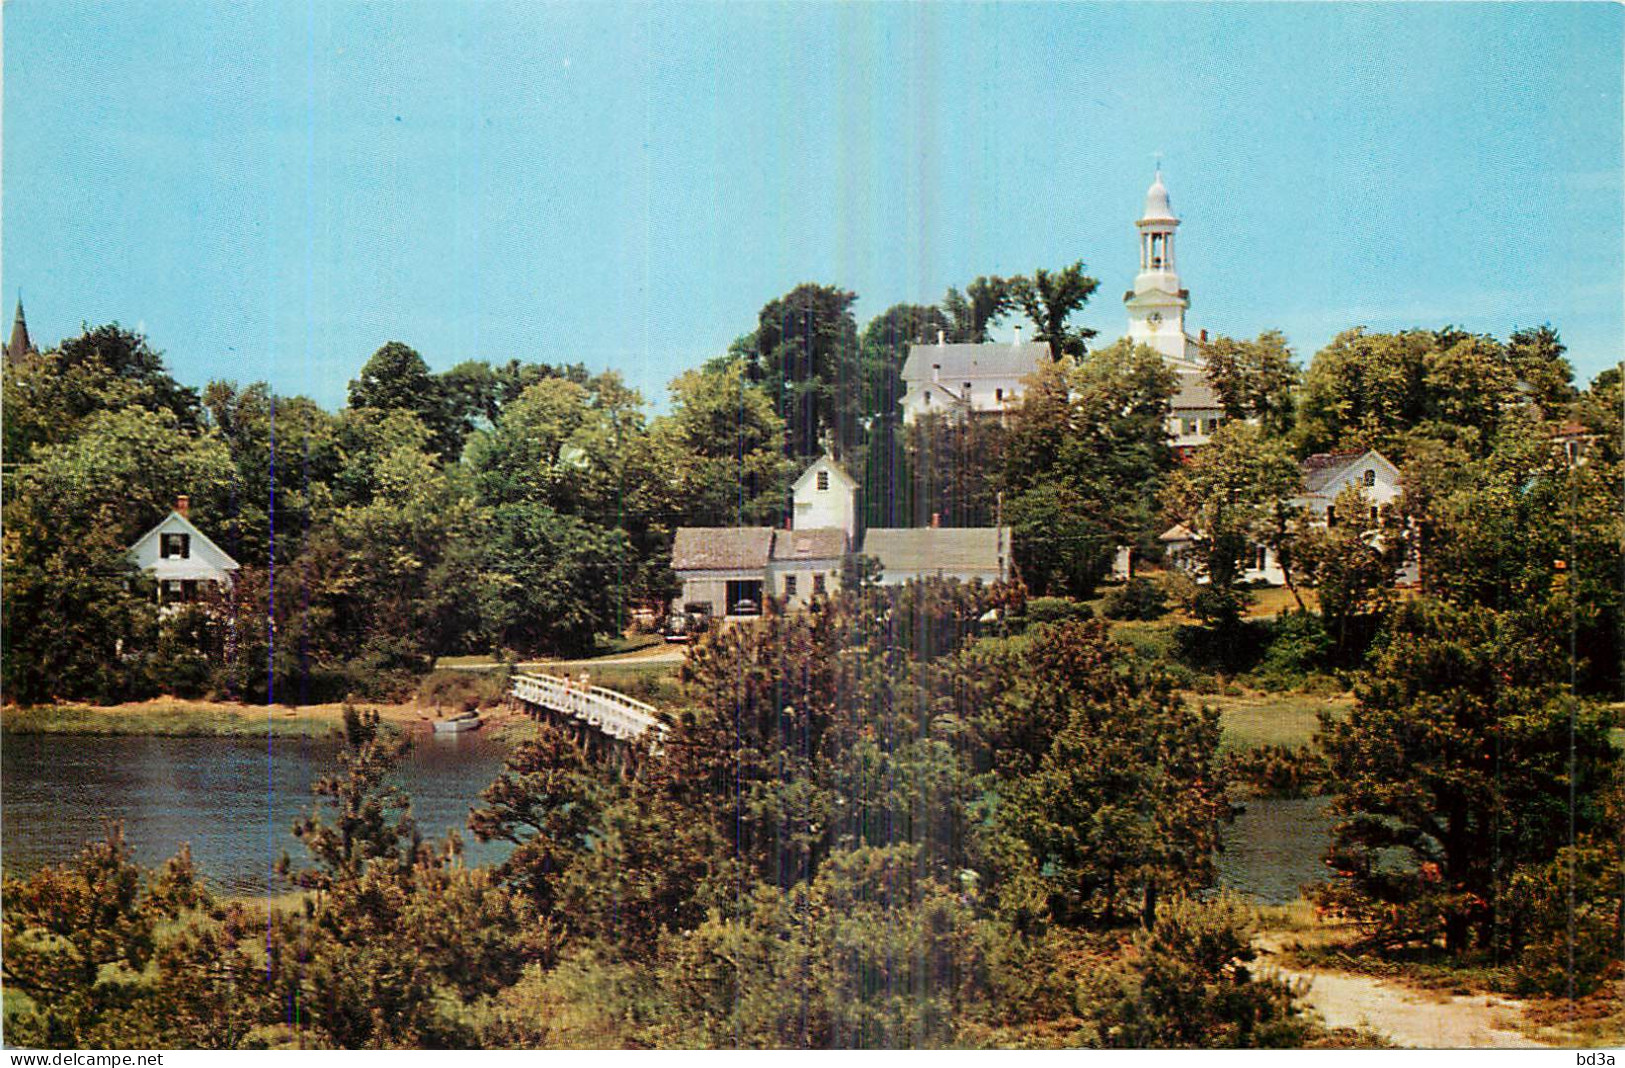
685,626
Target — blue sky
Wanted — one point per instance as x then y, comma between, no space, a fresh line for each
271,191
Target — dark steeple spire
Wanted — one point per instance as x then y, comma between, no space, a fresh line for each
19,345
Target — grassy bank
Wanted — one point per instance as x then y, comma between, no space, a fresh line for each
171,717
1259,719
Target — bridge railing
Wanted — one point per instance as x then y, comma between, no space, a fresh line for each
613,713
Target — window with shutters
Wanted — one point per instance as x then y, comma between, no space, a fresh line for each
174,546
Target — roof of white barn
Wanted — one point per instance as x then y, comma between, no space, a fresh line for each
721,548
206,560
959,362
930,549
1325,469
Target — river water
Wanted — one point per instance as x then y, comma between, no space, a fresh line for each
234,801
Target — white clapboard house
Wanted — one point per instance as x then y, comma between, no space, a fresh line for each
182,558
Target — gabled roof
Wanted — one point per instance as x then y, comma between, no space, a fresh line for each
818,543
928,549
1177,532
1323,469
994,359
175,520
1195,391
829,463
721,548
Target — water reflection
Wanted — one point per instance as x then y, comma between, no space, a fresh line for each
1276,846
233,799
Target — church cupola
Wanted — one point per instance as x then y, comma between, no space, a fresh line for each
1157,303
1157,226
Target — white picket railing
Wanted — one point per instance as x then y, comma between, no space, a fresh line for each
615,714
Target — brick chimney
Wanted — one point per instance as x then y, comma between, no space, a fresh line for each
1204,337
183,505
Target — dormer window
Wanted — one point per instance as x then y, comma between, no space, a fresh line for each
174,546
823,480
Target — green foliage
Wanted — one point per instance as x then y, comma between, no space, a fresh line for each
546,804
1138,598
1255,379
984,303
79,936
1192,986
1083,464
807,362
396,378
1298,645
1463,763
1049,300
1385,391
1278,770
1353,566
1057,610
721,450
1109,781
1234,494
49,396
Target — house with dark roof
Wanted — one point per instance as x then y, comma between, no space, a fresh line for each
182,558
961,380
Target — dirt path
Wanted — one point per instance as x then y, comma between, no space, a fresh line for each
1406,1016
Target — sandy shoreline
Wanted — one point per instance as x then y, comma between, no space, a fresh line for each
176,717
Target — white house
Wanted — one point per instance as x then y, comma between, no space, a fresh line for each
1325,475
985,379
729,571
181,557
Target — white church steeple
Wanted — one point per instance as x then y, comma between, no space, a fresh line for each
1157,304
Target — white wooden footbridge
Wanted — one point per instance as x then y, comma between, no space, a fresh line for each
608,713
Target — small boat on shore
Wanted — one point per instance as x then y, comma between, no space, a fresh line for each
465,721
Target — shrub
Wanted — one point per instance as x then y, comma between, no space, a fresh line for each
1278,770
1298,645
1139,598
465,690
1232,647
1058,610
